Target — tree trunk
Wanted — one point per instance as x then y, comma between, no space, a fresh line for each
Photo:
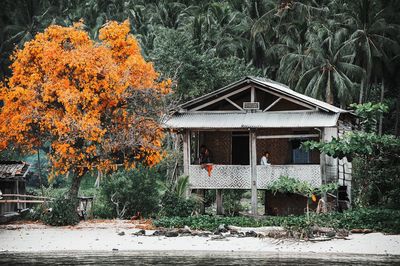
329,93
362,85
397,123
74,189
381,116
40,171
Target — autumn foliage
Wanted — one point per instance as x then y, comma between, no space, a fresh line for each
95,102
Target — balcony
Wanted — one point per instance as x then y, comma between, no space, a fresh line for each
239,176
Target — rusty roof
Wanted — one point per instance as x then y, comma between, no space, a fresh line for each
13,169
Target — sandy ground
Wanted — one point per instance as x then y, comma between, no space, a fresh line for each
103,236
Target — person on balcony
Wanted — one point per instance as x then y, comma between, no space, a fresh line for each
265,159
206,159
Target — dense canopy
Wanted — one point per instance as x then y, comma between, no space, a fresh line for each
75,94
337,51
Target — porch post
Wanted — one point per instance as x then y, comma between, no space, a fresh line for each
322,161
253,165
186,157
186,152
17,192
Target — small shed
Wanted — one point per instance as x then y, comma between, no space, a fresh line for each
241,121
12,181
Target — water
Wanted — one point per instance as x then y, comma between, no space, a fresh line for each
191,258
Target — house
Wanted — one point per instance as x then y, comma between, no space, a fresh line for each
12,181
241,121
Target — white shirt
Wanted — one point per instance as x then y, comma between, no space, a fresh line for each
264,160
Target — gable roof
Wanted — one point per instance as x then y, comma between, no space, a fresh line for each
270,85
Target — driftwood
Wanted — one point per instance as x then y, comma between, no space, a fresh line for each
120,213
361,231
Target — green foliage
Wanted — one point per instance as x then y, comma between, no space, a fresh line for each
128,192
376,171
102,207
287,184
231,203
381,220
174,201
369,114
181,186
357,143
62,212
173,205
195,72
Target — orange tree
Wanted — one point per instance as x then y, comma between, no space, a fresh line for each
95,102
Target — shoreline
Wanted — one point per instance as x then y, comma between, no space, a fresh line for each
119,235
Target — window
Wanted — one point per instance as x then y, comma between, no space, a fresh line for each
299,156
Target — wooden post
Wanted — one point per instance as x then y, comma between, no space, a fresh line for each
218,199
17,192
322,162
253,165
186,154
265,203
186,157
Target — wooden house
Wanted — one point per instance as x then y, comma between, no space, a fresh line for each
12,181
241,121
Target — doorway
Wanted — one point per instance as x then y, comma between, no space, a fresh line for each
240,148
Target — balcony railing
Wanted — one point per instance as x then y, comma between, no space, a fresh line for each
239,176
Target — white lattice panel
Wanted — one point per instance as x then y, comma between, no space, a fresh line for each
222,176
267,174
239,176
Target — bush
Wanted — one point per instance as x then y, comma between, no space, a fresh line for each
102,208
381,220
174,205
127,192
63,212
231,202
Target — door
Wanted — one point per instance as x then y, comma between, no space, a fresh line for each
240,148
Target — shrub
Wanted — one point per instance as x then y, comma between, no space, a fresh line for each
102,208
231,202
174,205
381,220
128,192
174,201
63,212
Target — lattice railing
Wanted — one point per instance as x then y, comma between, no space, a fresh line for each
239,176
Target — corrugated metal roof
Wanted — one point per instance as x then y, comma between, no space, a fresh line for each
13,169
272,85
252,120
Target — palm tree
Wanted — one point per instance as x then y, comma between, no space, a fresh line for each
281,28
372,38
24,19
325,67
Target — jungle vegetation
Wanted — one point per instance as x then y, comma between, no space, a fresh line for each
339,51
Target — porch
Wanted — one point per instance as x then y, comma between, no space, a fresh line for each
239,176
235,153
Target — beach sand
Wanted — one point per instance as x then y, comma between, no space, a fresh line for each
108,236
